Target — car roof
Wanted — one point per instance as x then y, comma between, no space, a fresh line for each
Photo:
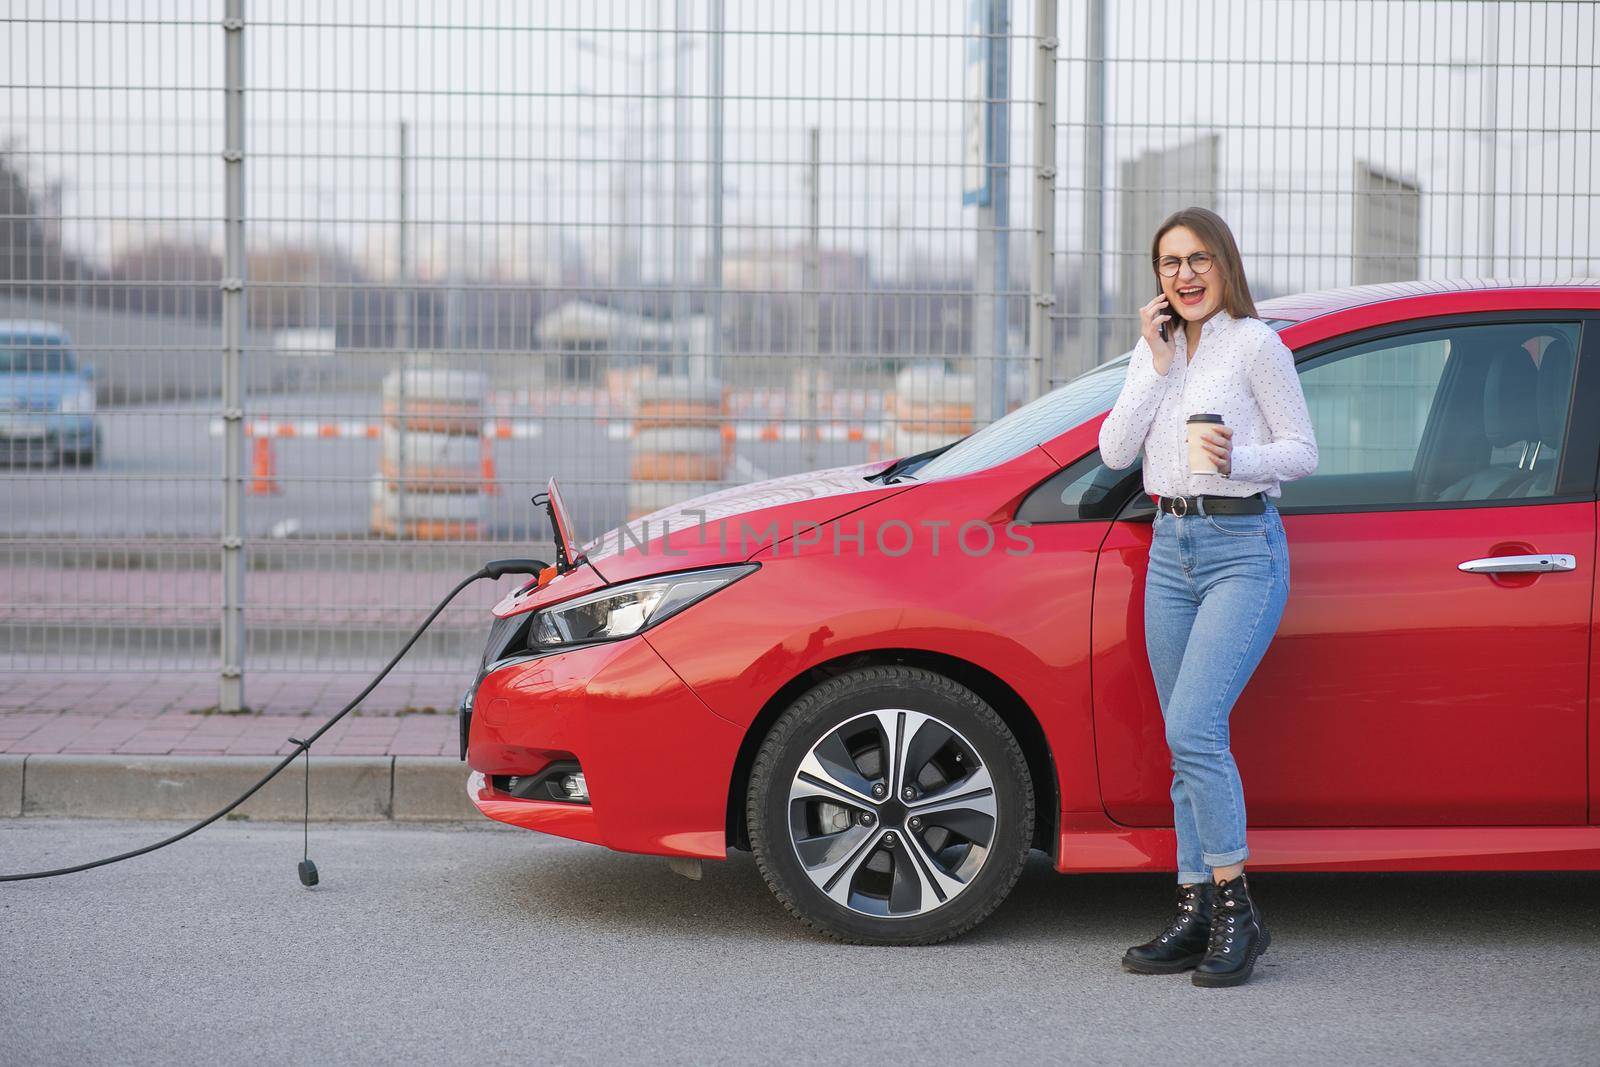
1301,307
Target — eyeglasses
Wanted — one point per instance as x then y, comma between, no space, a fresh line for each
1199,262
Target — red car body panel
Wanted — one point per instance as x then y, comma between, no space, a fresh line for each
1594,687
1100,845
1407,716
622,712
918,601
1383,698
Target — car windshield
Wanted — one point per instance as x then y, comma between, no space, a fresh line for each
1034,423
35,355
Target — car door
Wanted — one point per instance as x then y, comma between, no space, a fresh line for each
1431,665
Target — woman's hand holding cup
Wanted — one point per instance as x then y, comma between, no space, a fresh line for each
1151,316
1210,443
1218,441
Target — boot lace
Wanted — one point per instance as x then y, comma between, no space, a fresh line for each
1226,922
1188,909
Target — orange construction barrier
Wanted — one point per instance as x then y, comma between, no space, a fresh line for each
429,485
263,468
491,481
679,447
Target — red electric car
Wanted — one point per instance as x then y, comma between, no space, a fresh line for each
891,681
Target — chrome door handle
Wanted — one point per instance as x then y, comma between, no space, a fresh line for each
1537,561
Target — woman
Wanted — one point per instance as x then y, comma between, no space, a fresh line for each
1218,576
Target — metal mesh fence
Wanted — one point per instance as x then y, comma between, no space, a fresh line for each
1345,143
354,280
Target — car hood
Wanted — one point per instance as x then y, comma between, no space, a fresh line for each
731,525
705,531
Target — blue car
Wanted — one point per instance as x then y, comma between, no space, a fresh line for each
46,397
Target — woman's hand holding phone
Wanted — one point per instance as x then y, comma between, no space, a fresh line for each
1153,322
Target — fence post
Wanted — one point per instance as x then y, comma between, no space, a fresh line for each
811,320
1094,182
992,278
231,684
1043,283
715,93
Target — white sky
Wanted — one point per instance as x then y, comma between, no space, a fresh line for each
525,138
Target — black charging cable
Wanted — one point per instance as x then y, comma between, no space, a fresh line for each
495,569
308,870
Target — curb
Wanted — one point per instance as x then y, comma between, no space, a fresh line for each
343,788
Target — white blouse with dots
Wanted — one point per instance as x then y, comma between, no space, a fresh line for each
1243,371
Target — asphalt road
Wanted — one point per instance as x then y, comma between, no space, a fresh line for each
453,944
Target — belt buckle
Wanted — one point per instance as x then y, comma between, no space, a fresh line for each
1185,502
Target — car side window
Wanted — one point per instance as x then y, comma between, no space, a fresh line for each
1473,412
27,354
1082,491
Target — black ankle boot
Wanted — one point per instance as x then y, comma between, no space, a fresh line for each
1183,943
1238,936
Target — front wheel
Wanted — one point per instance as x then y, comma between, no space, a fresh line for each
890,805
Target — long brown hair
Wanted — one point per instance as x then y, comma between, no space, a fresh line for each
1218,239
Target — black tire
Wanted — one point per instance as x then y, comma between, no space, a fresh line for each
85,457
836,706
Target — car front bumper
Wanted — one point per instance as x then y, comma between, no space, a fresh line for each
657,761
44,436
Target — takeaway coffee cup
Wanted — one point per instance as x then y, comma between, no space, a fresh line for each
1200,460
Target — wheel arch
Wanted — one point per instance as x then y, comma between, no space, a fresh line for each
1011,708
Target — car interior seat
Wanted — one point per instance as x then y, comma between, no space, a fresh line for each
1510,416
1552,396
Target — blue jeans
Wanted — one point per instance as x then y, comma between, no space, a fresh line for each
1214,593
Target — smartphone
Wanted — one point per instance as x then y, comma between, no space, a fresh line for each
1161,327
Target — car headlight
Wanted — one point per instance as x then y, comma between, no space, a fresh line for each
625,610
78,402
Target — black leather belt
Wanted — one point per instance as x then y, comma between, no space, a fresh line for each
1254,504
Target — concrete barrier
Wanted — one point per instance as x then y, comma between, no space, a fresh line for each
429,484
929,407
355,788
431,789
678,448
11,769
343,788
191,787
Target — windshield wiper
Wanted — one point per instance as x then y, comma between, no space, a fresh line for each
889,473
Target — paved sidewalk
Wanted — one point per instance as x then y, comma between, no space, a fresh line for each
174,714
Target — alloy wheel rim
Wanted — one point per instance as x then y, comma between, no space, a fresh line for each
892,813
